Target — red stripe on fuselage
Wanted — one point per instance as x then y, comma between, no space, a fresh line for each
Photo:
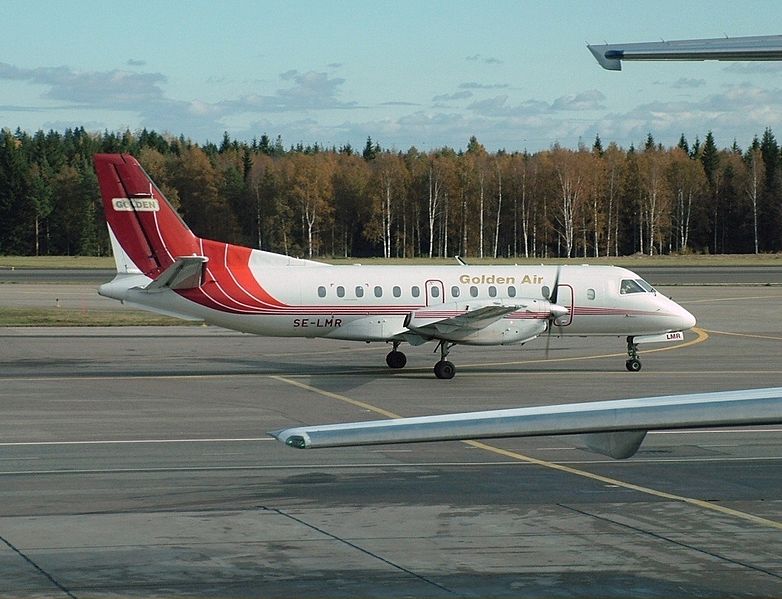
230,285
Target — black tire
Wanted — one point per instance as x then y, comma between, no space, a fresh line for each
396,359
633,365
444,369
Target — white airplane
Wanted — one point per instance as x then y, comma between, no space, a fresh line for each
163,267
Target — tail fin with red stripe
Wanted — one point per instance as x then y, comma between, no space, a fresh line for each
147,234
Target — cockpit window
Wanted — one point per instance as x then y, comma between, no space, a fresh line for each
646,286
630,286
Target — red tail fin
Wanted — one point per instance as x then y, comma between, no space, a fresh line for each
143,223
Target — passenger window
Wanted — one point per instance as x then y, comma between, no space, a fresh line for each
511,292
492,291
455,291
340,291
397,291
545,292
415,291
630,286
321,291
474,291
359,291
435,291
378,291
590,294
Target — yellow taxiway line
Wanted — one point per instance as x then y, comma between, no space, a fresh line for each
706,505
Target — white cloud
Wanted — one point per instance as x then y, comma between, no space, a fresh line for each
762,68
462,95
688,83
475,85
483,59
311,90
739,112
589,100
115,88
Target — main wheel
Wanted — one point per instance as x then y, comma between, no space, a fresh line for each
444,369
633,365
396,359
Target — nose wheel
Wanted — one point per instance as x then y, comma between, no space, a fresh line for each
633,364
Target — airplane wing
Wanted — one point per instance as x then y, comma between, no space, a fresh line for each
428,323
615,428
757,47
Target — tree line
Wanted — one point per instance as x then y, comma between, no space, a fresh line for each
313,201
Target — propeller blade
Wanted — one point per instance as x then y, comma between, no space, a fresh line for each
555,310
548,339
555,288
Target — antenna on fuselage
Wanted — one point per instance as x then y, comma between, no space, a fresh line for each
461,261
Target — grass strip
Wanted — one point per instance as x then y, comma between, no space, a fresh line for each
63,317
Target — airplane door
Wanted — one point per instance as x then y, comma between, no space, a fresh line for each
565,297
435,293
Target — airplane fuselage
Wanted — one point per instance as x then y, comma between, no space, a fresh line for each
380,303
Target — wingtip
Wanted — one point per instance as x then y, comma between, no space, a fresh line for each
291,438
609,64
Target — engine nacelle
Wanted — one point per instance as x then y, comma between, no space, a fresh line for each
505,332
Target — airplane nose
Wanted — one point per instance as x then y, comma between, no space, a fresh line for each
687,319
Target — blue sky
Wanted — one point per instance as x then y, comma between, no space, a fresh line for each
427,74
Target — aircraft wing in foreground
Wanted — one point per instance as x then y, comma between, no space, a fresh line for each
614,428
756,47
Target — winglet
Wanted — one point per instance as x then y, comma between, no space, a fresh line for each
292,438
609,60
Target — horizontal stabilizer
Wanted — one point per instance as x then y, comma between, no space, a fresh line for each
185,273
615,427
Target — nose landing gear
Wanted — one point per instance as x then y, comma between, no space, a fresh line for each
633,364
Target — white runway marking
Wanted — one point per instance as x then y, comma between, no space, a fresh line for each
265,439
134,441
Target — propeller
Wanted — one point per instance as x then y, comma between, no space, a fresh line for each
555,310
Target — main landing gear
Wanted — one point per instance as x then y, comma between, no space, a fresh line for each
633,364
444,369
395,358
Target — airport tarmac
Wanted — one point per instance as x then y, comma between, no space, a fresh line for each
134,462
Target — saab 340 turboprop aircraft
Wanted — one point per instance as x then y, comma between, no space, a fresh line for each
163,267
